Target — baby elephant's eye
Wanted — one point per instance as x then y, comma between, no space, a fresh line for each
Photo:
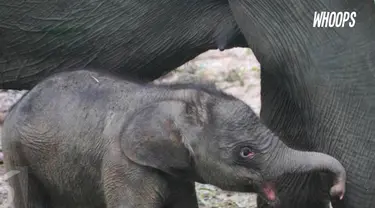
246,152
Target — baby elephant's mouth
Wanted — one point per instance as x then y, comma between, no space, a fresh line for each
267,191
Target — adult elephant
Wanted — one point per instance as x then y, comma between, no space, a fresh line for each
38,38
318,88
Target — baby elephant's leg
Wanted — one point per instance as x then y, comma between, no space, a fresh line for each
128,185
182,194
24,189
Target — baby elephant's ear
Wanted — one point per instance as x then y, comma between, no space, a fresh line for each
152,138
196,113
197,110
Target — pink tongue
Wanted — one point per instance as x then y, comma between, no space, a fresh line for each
270,193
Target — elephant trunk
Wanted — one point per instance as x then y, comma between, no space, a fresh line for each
289,160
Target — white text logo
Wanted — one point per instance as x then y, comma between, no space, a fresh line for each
334,19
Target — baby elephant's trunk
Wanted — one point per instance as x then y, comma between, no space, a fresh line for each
288,160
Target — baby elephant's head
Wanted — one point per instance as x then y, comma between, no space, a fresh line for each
214,138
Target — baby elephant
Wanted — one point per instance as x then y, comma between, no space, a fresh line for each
86,139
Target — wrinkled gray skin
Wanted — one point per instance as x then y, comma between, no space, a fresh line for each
317,86
91,140
133,37
317,90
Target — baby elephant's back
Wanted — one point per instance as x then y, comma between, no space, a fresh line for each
71,107
61,127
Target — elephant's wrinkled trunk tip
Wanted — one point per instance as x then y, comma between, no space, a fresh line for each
338,189
301,161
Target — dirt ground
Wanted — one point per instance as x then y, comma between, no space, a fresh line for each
236,71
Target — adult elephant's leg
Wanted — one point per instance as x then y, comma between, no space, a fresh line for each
284,117
328,74
338,127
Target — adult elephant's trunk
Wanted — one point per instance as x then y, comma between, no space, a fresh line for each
288,160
